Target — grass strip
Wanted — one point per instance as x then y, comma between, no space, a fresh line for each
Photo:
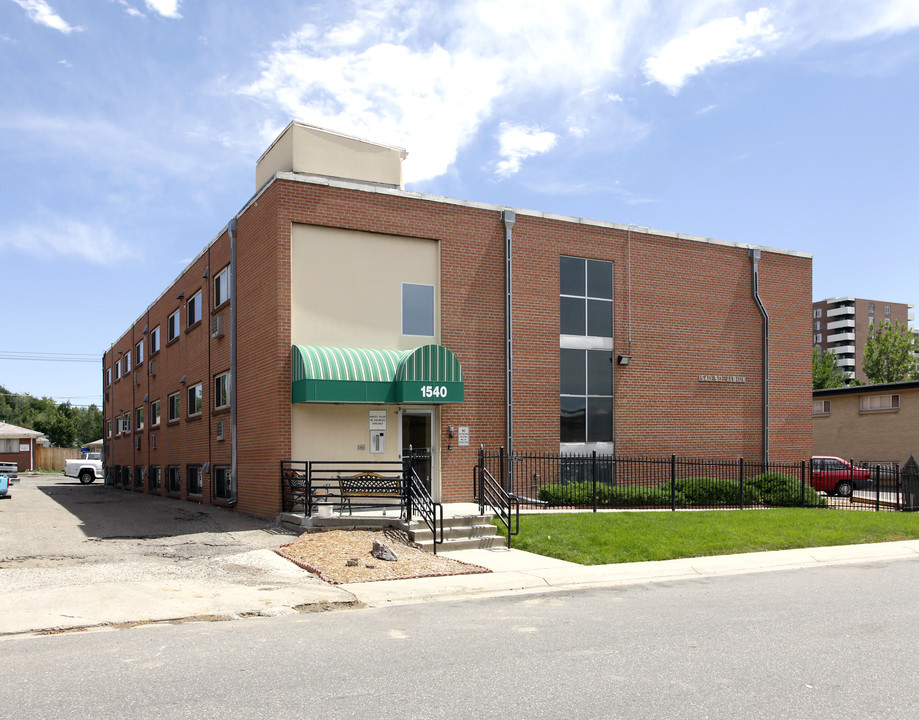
603,538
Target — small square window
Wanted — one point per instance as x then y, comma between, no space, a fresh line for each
821,407
818,312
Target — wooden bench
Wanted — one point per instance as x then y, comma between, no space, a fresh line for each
370,485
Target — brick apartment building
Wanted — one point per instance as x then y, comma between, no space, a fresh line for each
841,327
338,317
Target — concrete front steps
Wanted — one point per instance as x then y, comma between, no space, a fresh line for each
464,528
461,532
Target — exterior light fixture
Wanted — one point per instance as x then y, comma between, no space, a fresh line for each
182,381
180,295
623,359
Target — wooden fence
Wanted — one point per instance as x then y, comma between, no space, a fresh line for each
48,458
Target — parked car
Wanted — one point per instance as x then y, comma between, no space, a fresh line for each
836,476
87,468
11,470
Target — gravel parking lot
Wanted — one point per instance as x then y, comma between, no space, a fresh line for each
99,555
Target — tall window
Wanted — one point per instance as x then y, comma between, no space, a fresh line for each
118,369
139,353
127,362
126,422
193,475
417,309
155,477
174,407
108,376
194,309
155,413
223,482
172,329
222,287
173,479
586,350
195,399
818,312
139,418
221,391
155,340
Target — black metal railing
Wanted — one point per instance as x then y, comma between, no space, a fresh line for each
596,481
419,499
491,494
348,485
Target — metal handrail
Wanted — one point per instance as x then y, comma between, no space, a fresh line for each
488,492
420,500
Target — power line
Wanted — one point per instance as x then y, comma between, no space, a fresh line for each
50,357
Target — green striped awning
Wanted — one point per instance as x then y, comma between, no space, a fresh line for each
428,374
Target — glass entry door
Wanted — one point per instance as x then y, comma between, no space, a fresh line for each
417,434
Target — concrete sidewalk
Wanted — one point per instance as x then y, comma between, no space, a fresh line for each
75,557
88,602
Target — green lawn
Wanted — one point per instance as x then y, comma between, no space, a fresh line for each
602,538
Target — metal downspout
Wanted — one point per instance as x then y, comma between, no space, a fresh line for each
509,217
754,258
234,450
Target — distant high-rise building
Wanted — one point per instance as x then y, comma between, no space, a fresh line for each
841,327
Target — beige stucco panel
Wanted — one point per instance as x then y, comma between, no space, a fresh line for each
346,287
334,432
314,151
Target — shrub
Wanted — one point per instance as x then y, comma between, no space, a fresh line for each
783,490
712,492
581,495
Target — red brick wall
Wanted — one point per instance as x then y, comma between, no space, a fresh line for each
692,313
23,460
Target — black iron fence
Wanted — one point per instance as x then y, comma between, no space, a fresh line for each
311,486
597,481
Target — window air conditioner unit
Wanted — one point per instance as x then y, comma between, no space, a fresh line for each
151,368
136,379
217,326
220,431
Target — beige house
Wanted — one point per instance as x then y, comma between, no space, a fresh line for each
868,423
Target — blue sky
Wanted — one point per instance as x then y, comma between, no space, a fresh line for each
129,132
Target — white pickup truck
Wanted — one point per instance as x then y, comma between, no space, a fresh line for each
87,468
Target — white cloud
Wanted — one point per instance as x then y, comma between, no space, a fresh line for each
718,42
166,8
428,76
517,143
60,236
130,9
39,11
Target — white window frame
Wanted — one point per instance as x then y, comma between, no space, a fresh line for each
879,403
108,376
222,390
155,413
139,418
127,362
118,370
177,405
174,325
196,396
155,340
818,312
126,422
222,287
821,407
139,353
193,309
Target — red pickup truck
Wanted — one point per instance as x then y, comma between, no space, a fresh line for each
836,476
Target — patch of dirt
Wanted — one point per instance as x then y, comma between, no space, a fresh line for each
327,554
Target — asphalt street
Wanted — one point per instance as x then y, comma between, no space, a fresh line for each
828,642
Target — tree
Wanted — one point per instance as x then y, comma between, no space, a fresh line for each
827,374
889,353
